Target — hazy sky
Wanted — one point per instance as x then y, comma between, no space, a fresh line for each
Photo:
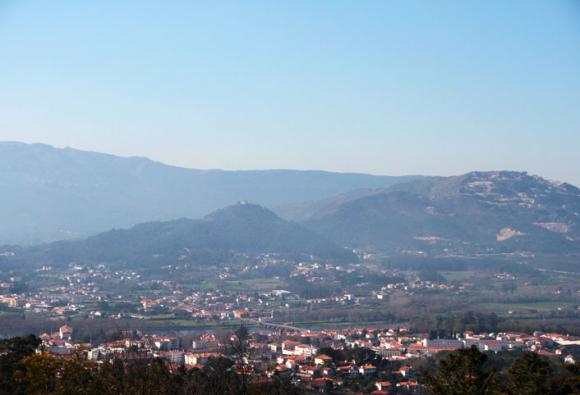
388,87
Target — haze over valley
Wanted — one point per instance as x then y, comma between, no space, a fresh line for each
290,197
58,194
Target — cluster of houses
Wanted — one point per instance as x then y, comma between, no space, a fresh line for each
84,291
313,360
59,342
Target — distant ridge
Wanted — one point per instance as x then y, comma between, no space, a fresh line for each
475,213
49,193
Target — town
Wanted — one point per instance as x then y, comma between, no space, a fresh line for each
304,293
368,360
277,289
94,291
370,328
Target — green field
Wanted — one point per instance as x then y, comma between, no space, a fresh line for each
460,276
253,285
519,307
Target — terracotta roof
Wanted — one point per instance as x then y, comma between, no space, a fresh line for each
324,357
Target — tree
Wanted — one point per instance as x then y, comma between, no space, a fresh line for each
11,353
530,375
39,375
569,382
462,373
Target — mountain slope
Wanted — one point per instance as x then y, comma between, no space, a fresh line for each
479,212
238,229
305,210
53,194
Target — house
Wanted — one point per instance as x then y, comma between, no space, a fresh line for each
288,347
309,371
388,353
492,345
9,301
65,332
292,360
443,343
366,343
174,356
404,370
322,359
367,370
305,349
199,358
241,314
167,343
347,370
203,345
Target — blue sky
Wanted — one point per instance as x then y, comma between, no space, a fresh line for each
386,87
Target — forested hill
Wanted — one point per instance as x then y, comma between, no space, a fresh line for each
239,229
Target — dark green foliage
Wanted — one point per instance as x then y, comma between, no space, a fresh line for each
24,372
569,381
277,387
300,286
530,375
12,351
462,373
45,374
506,373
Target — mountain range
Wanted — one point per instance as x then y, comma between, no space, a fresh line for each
46,191
49,194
